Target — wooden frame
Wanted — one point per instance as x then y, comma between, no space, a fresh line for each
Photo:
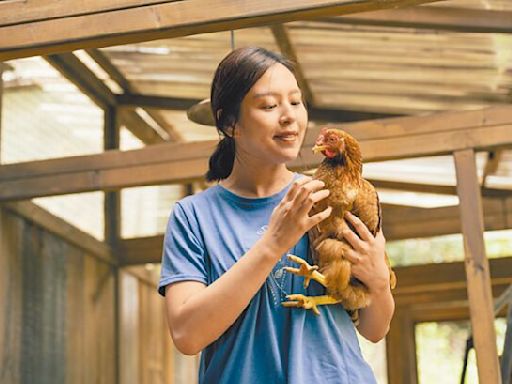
46,29
440,133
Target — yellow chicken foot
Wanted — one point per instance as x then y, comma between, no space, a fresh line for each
309,302
308,271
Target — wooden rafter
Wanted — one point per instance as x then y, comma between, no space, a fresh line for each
175,103
48,30
76,72
286,47
166,163
103,61
434,18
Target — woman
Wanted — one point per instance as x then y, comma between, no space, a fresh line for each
225,248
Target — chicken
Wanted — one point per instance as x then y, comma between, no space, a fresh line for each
341,172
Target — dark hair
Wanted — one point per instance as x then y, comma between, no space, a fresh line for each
234,77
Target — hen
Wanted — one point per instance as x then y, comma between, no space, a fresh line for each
341,172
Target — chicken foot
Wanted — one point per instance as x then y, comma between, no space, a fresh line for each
309,272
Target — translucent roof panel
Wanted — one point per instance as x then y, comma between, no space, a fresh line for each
402,70
45,116
184,66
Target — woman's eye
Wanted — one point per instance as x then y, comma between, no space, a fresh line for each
296,102
270,106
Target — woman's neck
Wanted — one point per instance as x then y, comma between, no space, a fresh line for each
259,182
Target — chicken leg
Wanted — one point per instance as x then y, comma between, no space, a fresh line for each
309,272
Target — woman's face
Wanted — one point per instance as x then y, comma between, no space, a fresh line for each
273,118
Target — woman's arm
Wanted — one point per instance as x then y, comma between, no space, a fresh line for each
369,266
199,314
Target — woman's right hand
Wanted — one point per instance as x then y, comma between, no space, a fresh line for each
290,219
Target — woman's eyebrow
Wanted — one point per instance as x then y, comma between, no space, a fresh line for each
274,93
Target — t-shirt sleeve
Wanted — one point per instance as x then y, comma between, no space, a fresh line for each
183,254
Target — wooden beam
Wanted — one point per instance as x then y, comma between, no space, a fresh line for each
434,18
399,223
285,45
175,103
100,26
477,267
401,349
1,99
63,229
434,189
141,250
78,73
183,162
412,222
103,61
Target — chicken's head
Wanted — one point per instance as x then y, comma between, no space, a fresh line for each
330,143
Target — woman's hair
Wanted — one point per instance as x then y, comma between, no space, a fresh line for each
234,77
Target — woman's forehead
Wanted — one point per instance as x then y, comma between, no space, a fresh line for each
276,80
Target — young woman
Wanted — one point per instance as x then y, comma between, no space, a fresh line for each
225,248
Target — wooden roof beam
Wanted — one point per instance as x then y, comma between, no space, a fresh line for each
167,163
178,103
78,73
95,24
285,45
434,18
104,62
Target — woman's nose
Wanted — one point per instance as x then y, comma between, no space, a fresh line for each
287,115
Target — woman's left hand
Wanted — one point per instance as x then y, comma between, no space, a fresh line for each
367,255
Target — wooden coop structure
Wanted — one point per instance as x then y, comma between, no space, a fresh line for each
408,78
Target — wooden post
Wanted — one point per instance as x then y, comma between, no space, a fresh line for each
477,267
1,97
112,228
401,348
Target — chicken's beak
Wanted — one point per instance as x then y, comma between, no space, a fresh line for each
319,148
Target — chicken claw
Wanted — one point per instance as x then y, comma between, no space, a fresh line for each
301,301
308,271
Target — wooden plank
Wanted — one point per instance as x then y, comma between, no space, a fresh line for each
16,12
434,18
165,20
477,267
422,222
401,349
10,298
141,250
61,228
182,162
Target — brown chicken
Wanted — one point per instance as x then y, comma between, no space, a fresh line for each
341,171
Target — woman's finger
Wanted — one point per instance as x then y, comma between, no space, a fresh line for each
352,256
360,227
292,192
353,240
312,199
307,189
319,217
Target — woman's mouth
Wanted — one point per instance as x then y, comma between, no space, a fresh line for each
289,137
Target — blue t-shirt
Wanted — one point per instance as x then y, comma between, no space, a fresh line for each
206,234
